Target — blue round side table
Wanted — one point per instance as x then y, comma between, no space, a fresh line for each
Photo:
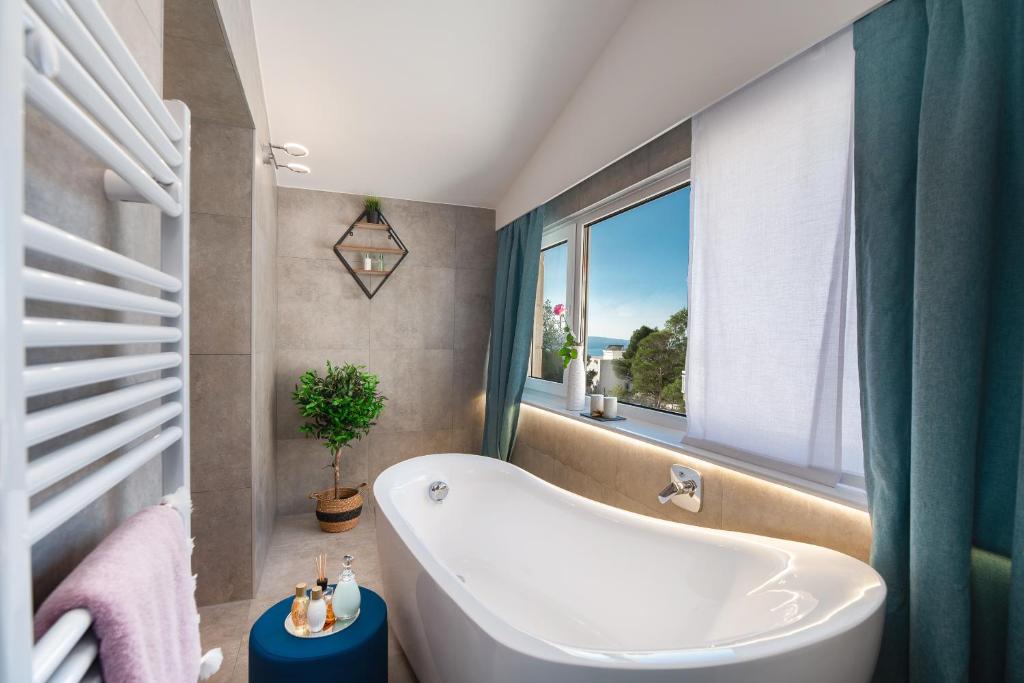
359,653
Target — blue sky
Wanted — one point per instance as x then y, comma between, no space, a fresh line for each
638,265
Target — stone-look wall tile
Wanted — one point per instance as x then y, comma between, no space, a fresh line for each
645,472
221,431
194,20
427,230
222,559
203,76
579,457
221,169
468,387
137,22
474,290
418,387
758,507
415,309
476,241
288,369
221,284
240,33
264,475
468,440
264,262
406,334
310,222
390,448
669,148
303,467
319,307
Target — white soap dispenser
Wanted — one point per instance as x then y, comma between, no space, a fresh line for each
346,593
316,613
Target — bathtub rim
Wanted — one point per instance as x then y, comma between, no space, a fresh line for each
527,644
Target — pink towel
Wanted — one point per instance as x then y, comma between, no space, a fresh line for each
139,589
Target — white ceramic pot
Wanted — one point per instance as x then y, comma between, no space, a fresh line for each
575,380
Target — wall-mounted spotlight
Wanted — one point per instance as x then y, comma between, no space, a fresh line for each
292,149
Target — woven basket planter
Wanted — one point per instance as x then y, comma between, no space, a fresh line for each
338,514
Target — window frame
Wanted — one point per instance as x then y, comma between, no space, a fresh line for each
555,235
651,424
574,230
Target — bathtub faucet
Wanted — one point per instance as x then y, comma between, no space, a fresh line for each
685,488
438,491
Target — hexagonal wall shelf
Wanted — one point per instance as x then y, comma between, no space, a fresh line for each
377,242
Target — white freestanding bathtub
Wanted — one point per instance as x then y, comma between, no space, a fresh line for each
513,579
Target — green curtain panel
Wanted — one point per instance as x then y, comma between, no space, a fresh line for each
939,140
515,292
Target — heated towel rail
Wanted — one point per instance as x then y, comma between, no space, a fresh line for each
67,60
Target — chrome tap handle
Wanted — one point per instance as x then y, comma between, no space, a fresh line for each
669,492
687,481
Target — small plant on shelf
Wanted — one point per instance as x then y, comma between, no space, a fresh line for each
339,407
371,205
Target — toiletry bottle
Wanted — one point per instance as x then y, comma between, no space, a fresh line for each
367,262
346,593
300,605
329,599
317,612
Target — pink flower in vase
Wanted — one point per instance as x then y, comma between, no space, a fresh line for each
559,309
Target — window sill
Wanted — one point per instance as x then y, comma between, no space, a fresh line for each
671,439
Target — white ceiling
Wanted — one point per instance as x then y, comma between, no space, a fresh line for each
442,101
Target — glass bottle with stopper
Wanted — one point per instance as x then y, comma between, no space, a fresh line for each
346,594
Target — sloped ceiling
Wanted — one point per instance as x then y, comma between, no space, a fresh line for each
440,101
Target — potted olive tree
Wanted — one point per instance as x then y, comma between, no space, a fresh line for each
339,408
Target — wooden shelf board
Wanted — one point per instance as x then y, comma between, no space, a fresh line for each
372,272
370,226
371,250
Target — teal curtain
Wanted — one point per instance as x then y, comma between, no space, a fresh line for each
939,165
515,293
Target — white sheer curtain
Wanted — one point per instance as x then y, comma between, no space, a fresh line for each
771,363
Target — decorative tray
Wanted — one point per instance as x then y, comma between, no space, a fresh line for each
602,418
339,626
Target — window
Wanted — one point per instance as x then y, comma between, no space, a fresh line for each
596,284
761,369
550,315
636,302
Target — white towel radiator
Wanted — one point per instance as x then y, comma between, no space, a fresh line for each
65,57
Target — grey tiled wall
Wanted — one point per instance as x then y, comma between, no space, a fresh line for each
425,333
225,252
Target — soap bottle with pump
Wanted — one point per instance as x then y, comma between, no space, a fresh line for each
317,611
346,593
300,608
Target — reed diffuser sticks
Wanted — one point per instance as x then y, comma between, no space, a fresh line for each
320,562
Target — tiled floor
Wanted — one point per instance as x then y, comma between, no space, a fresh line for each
297,538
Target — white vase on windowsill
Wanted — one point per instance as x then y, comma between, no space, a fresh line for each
574,379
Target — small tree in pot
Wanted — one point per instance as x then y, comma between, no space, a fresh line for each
339,408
